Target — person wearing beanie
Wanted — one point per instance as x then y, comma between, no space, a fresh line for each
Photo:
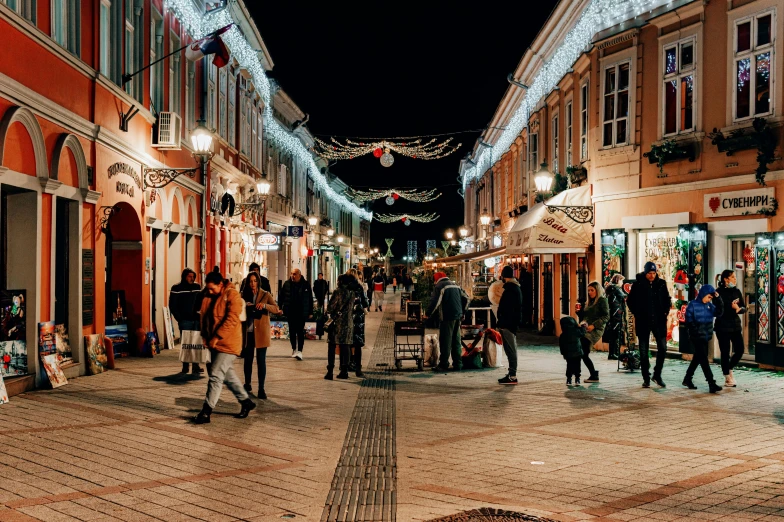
449,301
699,321
510,315
649,301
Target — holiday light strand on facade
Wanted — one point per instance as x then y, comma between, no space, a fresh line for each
417,149
392,194
199,25
412,250
597,16
406,218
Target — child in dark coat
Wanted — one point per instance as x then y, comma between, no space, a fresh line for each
700,314
572,351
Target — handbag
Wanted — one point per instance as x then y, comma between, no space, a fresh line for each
244,314
193,349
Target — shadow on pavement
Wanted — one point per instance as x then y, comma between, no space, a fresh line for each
179,378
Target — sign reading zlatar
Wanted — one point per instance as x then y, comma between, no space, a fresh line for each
739,202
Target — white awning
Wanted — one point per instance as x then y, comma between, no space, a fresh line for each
539,231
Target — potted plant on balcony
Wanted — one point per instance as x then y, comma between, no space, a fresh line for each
669,150
758,136
576,174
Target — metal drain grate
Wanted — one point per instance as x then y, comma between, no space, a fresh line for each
490,515
365,481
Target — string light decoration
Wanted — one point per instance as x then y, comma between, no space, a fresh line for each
391,195
417,149
406,218
597,16
199,25
412,249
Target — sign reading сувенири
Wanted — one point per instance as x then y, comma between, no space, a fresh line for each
739,202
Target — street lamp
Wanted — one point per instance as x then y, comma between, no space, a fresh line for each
577,213
485,218
201,139
312,221
263,187
361,246
341,238
331,232
375,250
450,234
543,180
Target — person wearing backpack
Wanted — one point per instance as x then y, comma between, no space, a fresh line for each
450,302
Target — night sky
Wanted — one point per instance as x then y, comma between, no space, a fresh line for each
399,70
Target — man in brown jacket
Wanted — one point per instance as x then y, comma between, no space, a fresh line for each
221,330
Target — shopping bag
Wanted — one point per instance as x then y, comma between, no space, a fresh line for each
431,349
193,349
492,351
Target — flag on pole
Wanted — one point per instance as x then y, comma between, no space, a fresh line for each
211,44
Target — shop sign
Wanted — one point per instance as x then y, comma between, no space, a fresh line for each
123,168
327,248
124,188
268,242
739,202
296,232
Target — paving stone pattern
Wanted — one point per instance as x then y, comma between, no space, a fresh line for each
119,446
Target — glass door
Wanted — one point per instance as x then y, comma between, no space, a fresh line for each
742,252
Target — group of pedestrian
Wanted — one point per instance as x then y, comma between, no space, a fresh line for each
346,329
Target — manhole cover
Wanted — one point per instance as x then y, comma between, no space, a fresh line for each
490,515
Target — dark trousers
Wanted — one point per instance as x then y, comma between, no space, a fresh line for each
320,301
725,339
345,351
700,359
370,297
358,356
261,364
614,338
510,349
586,344
297,333
643,339
573,367
449,340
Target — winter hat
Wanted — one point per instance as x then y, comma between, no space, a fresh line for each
438,276
650,266
705,290
507,272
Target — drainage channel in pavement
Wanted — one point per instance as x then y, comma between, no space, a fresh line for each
490,515
365,481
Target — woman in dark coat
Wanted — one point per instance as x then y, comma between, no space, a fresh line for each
360,304
727,326
341,331
616,299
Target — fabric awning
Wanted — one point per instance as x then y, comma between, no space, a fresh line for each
539,231
472,256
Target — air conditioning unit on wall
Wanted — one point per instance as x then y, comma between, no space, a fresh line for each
167,130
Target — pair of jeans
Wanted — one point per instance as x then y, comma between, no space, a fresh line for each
345,353
378,295
573,367
725,339
449,340
586,358
248,352
222,371
297,334
700,359
643,339
510,349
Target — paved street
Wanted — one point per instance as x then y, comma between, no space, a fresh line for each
118,446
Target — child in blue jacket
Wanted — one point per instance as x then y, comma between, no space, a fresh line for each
700,314
571,348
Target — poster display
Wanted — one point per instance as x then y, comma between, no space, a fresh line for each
13,315
168,328
47,343
661,247
13,358
118,333
96,354
310,330
3,391
117,299
279,329
53,370
63,345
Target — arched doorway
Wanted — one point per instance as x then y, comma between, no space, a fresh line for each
124,262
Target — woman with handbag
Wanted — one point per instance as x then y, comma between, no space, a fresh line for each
360,303
341,326
258,338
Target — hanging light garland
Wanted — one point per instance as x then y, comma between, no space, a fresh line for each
391,195
597,16
199,25
406,218
417,149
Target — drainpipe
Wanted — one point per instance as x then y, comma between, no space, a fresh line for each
204,171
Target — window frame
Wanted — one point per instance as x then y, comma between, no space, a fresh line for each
105,37
678,76
175,74
616,65
585,123
569,134
752,54
555,135
533,151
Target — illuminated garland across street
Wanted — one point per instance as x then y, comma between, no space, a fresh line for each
416,149
406,218
392,195
597,16
199,25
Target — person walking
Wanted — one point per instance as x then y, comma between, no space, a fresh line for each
394,284
296,299
221,330
728,328
649,301
570,343
595,315
320,290
450,301
341,331
510,314
360,304
616,299
378,291
247,296
699,321
369,290
183,303
259,337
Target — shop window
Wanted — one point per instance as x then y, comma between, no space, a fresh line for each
615,104
66,23
582,280
584,121
565,284
753,71
613,243
554,144
679,67
569,134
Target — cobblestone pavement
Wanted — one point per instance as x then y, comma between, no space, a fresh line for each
118,446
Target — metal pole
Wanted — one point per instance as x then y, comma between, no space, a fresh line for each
206,196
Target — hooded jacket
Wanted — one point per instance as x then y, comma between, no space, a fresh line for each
183,299
699,315
510,307
569,340
650,303
453,303
224,326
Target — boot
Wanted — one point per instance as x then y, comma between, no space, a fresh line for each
204,415
658,380
689,383
262,394
713,387
328,376
594,377
185,367
343,373
730,380
247,406
196,369
358,372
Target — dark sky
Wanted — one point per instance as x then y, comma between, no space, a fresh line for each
399,70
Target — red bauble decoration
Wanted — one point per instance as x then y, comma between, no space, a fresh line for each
395,196
377,152
404,219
